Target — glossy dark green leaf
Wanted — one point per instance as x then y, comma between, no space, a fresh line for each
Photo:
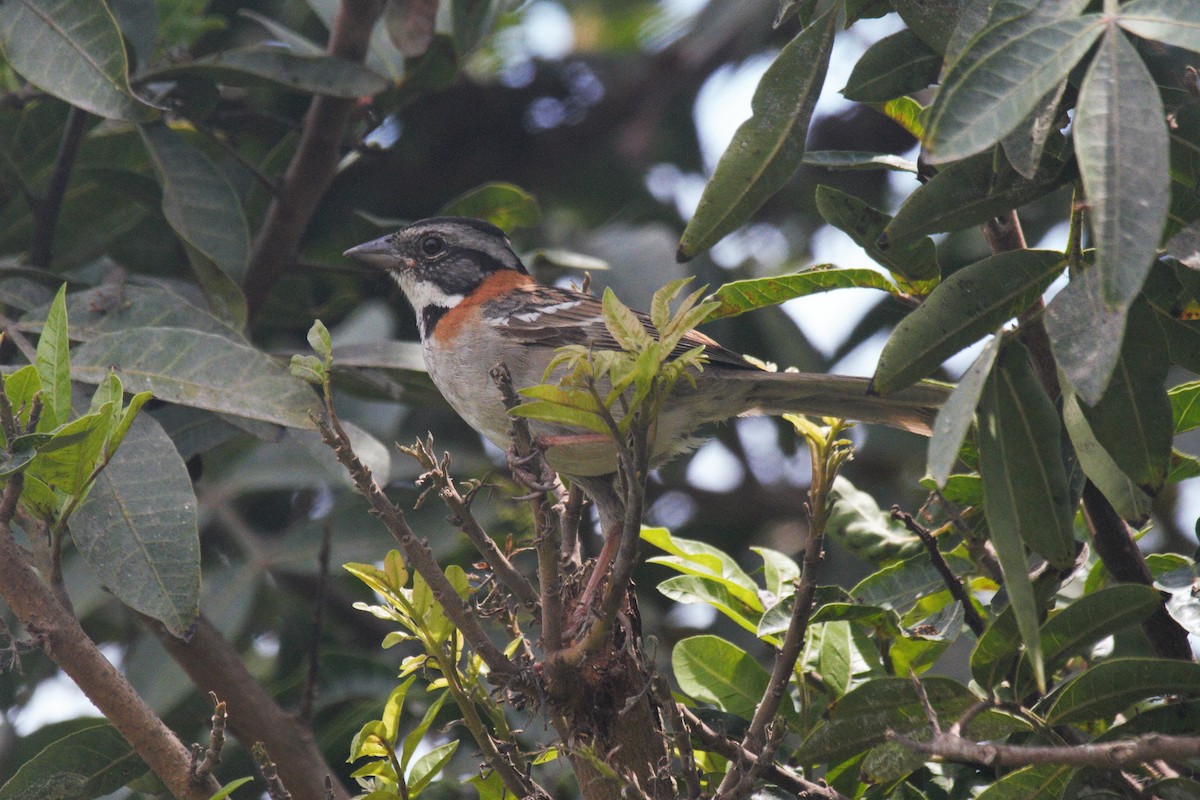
1027,499
964,308
138,23
1024,145
933,20
712,670
899,586
198,201
861,719
1112,686
984,98
1129,500
1163,21
996,651
1080,625
914,260
1030,783
74,51
895,65
138,528
1133,417
955,417
299,72
91,762
200,370
972,191
767,148
1121,145
751,294
506,206
1085,335
858,160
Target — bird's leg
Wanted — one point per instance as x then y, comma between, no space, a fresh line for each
611,510
531,471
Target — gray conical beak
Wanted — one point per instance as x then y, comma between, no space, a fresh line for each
377,252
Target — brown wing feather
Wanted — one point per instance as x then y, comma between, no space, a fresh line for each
570,317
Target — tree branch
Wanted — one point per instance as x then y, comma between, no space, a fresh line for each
59,634
1110,755
45,216
971,615
216,667
313,166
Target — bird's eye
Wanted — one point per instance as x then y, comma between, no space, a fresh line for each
432,246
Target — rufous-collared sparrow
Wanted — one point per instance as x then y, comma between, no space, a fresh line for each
477,306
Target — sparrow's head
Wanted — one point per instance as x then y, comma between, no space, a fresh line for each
439,261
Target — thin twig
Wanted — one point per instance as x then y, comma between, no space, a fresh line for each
569,518
533,458
437,473
777,774
275,788
416,552
206,759
314,649
45,218
957,590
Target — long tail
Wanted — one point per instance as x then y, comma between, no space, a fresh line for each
912,409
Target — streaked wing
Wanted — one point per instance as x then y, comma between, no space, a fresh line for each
554,317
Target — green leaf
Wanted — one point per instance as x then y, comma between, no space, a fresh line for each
410,24
199,370
108,308
715,671
92,762
964,308
429,765
895,65
231,787
1112,686
1026,143
986,96
1133,417
138,529
1080,625
767,148
907,113
1085,335
53,362
861,719
751,294
1029,783
996,652
1025,484
74,51
299,72
693,557
1121,146
914,260
899,586
688,589
954,418
1163,21
779,571
505,205
319,340
414,737
858,160
1185,405
67,460
198,201
972,191
856,521
1113,482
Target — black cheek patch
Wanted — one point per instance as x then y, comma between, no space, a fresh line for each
430,316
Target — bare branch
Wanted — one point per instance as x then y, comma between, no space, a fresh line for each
1109,755
309,694
313,166
206,759
275,788
971,615
45,218
59,634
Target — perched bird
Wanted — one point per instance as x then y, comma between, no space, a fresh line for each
477,306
